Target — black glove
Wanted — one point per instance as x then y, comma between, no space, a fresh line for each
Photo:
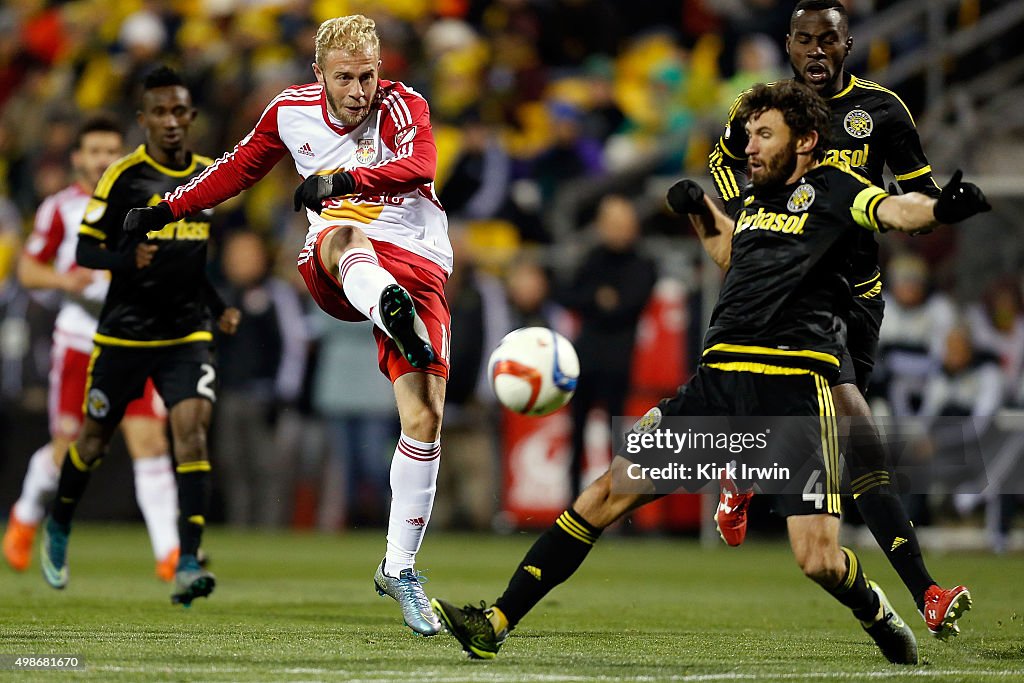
686,197
959,201
142,221
316,188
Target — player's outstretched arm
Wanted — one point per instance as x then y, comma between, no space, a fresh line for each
712,226
914,211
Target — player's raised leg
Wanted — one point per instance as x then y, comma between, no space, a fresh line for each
375,293
552,559
420,398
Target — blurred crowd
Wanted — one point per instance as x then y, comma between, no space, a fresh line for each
541,109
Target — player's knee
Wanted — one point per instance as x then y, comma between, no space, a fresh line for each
190,445
89,448
599,505
422,422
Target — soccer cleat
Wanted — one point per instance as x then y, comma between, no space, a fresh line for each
472,628
407,590
53,553
892,635
398,314
943,607
18,543
731,515
191,581
166,567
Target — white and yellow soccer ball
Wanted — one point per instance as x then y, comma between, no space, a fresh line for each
534,371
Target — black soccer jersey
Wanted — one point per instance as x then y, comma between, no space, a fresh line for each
165,302
871,128
786,289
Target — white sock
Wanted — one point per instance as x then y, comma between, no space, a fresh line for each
39,485
363,280
156,492
413,477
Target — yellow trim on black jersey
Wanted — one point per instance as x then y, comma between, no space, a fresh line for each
115,170
914,174
768,351
169,171
725,179
725,148
92,232
759,368
871,85
865,207
115,341
847,89
829,445
141,156
845,168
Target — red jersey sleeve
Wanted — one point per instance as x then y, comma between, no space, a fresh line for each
405,130
250,160
47,232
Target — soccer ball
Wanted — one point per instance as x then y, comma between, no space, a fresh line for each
534,371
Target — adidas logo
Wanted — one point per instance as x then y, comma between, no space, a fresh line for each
307,150
532,571
416,521
897,542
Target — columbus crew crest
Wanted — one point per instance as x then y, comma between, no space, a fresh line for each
801,199
858,123
366,151
98,404
649,422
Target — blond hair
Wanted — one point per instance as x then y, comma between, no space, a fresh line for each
353,34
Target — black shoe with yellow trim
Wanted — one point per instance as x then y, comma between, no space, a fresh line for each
472,627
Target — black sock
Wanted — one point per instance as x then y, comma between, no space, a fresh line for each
885,517
193,494
555,556
74,477
854,592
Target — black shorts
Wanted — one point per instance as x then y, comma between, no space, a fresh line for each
862,325
741,393
117,375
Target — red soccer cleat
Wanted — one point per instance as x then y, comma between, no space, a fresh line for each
18,543
942,608
731,515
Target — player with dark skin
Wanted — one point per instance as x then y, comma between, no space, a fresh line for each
872,129
166,115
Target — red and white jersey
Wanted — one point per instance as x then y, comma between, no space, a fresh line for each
53,241
391,155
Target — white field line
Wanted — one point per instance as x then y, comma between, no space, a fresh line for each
512,677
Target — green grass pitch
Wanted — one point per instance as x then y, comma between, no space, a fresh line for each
294,607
